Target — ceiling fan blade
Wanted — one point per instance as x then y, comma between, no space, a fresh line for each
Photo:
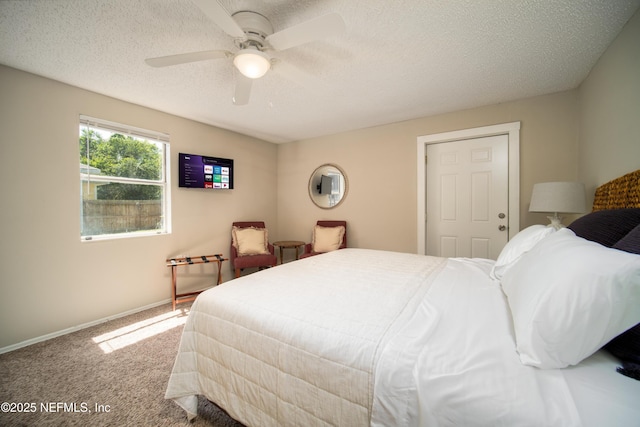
243,90
183,58
305,32
220,17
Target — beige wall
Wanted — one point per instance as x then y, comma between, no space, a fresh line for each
381,166
610,111
50,280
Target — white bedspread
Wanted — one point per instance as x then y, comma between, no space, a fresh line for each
298,344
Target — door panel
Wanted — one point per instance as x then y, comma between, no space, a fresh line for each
480,185
467,190
448,191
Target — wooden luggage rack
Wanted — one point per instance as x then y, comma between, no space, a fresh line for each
174,263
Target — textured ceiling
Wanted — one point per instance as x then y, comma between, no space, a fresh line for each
397,60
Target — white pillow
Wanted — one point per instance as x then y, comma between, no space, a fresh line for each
568,297
250,240
521,243
327,239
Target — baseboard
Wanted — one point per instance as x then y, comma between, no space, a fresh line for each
79,327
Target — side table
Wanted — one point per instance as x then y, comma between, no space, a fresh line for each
289,244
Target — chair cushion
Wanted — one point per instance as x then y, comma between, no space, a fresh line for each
327,239
250,240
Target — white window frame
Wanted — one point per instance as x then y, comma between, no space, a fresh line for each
164,181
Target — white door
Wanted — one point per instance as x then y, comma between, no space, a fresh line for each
467,197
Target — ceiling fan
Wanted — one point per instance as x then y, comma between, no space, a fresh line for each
254,36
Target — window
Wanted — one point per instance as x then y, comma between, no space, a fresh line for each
124,181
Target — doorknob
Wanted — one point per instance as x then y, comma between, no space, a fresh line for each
502,228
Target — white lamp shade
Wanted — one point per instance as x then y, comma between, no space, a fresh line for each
252,63
563,197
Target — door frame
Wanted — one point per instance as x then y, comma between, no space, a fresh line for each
512,130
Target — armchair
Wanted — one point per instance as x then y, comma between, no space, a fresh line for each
327,236
250,247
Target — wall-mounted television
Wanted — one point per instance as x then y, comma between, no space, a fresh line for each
196,171
326,185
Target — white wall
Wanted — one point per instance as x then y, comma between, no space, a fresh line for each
50,279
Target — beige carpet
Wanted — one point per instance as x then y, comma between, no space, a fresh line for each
113,374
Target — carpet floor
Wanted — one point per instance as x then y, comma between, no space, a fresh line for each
112,374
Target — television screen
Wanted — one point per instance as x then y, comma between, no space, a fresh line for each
196,171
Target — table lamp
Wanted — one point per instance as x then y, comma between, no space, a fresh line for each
563,197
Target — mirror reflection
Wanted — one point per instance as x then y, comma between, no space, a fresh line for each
328,186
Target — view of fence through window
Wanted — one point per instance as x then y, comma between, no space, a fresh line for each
123,180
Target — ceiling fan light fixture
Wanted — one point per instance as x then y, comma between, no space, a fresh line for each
252,63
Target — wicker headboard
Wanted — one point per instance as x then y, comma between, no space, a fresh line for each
620,193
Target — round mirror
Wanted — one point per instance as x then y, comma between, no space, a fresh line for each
328,186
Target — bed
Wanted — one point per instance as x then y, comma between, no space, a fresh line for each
359,337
